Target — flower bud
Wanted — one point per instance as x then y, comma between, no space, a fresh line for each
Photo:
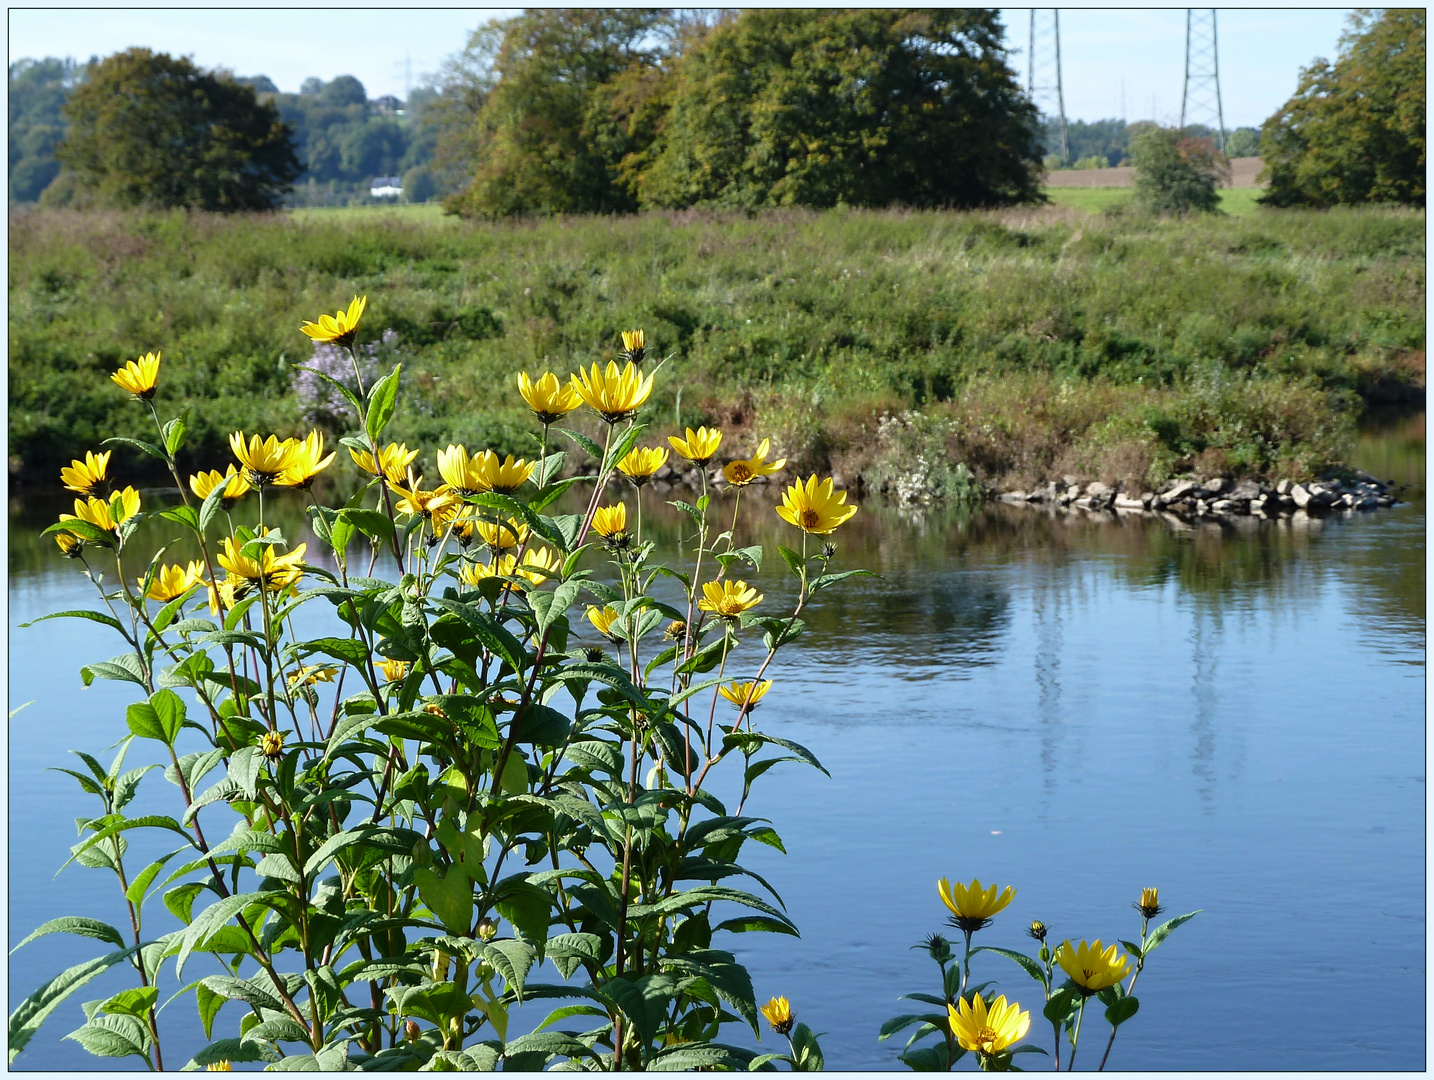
1148,904
487,928
1037,930
410,1030
272,745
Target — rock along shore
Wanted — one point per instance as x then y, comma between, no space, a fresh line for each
1216,497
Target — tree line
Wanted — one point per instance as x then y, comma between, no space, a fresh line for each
614,111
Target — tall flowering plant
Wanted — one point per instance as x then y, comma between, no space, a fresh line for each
510,748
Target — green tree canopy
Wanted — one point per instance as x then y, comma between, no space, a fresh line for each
1176,174
38,89
534,140
609,111
1354,131
151,129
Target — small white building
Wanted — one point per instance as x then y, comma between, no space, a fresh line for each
386,187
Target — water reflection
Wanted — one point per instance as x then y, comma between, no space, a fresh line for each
1079,704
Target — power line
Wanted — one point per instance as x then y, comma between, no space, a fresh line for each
1043,71
1201,99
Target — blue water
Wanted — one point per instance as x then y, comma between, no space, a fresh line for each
1076,707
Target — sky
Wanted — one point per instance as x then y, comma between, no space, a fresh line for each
1141,50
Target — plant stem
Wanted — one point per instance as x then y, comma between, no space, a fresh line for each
1075,1037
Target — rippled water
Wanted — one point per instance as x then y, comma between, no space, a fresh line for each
1079,706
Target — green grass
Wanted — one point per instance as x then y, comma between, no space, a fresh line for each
805,326
1096,200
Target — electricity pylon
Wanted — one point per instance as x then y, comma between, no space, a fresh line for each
1043,71
1201,100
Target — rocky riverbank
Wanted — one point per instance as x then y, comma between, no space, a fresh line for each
1217,497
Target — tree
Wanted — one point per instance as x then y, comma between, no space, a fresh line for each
1243,142
149,129
1354,131
857,107
1175,174
535,150
38,89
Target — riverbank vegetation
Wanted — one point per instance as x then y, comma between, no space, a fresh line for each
887,345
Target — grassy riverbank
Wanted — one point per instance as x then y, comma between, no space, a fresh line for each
1018,342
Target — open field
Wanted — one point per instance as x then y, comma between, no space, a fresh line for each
1017,341
1095,200
1244,172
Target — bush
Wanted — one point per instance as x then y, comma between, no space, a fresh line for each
1175,174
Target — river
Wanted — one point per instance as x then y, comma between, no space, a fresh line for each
1078,706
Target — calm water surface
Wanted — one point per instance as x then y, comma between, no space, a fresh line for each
1077,706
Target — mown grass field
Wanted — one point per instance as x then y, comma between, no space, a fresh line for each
1015,341
1096,200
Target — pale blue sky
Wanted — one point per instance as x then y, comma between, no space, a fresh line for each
1261,51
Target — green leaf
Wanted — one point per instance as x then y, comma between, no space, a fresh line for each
746,923
123,668
349,650
808,1053
583,442
33,1011
793,559
1062,1006
372,523
113,1036
1163,931
213,503
625,442
450,897
511,959
136,1001
93,616
174,432
382,397
1122,1011
209,1003
136,444
76,924
568,951
1031,967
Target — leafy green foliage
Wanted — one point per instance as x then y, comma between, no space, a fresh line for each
1174,173
149,129
385,852
38,89
1354,131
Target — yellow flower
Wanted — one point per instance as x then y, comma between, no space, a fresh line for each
415,500
813,507
70,544
307,676
339,328
988,1031
393,670
745,695
503,566
539,564
641,462
971,905
219,1066
274,572
603,618
699,446
610,522
85,476
393,459
740,473
549,399
1149,905
264,460
235,486
728,598
306,462
272,745
634,346
1090,967
502,534
228,593
174,580
612,396
101,513
779,1014
506,476
140,377
461,472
